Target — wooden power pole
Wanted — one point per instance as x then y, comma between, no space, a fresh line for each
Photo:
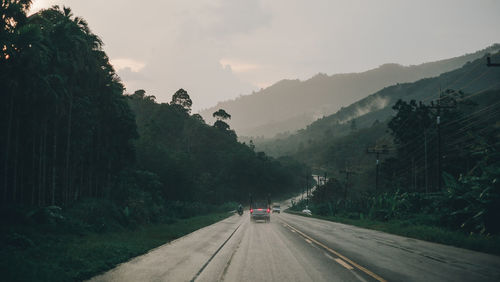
377,151
348,172
438,107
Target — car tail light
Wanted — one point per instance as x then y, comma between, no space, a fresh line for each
268,210
251,210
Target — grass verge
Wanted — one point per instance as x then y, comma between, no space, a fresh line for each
72,257
436,234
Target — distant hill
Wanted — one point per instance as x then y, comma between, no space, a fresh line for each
473,78
290,105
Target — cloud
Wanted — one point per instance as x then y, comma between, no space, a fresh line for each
37,5
231,17
133,65
220,49
237,66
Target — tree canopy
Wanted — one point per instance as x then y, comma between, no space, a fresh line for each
68,132
182,100
66,127
221,115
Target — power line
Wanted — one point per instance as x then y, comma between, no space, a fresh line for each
404,123
348,171
377,151
439,107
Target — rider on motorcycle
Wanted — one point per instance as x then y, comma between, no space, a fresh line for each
240,209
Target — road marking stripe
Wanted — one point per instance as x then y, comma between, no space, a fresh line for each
368,272
344,264
328,256
308,241
214,254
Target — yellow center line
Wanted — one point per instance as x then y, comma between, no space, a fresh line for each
344,259
343,263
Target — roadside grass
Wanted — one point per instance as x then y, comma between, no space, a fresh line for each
409,228
73,257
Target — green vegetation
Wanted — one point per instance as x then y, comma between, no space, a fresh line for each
91,176
415,228
409,200
319,138
27,254
70,133
66,127
84,166
203,163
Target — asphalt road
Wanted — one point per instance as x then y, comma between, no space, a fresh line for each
296,248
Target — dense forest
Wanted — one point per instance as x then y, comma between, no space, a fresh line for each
433,159
69,133
67,128
91,176
204,163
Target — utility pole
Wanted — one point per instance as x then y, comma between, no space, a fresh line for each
307,190
303,187
425,159
438,106
324,186
348,171
377,151
490,64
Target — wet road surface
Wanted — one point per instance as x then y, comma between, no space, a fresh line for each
296,248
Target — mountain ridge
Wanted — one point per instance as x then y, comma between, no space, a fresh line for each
473,78
291,104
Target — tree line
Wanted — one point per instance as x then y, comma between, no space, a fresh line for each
454,140
202,162
69,132
66,127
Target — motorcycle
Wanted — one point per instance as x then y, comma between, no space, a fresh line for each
240,212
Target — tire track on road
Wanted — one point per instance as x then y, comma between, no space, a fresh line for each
214,254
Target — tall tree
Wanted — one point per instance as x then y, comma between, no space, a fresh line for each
221,115
69,109
181,100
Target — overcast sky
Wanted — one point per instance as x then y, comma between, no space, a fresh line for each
220,49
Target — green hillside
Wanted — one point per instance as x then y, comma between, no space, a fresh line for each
292,104
436,168
474,77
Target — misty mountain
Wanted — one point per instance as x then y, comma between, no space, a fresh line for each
290,105
474,78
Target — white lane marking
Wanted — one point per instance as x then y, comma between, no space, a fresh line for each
308,241
328,256
343,263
